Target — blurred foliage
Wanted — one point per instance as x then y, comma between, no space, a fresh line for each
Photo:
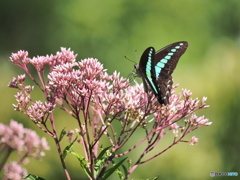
109,30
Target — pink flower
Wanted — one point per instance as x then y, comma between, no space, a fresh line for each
14,171
24,140
12,135
34,145
198,121
193,141
38,110
20,58
174,126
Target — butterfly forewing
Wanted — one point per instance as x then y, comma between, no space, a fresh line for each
166,59
165,62
145,69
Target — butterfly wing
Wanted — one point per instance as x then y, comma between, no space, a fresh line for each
164,63
156,69
164,87
166,59
144,70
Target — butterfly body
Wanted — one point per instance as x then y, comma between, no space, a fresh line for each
156,69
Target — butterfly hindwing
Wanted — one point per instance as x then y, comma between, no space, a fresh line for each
156,69
165,90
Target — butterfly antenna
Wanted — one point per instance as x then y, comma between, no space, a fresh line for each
129,59
132,75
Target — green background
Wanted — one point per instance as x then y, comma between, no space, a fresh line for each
110,30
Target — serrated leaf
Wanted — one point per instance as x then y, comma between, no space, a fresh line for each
101,160
68,148
110,171
62,134
32,177
83,162
153,178
125,170
102,153
122,173
119,173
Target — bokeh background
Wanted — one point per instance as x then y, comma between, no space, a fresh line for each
110,30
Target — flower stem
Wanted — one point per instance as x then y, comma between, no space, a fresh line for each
59,147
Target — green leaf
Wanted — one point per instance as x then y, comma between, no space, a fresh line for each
83,162
101,160
62,134
120,174
153,178
68,148
125,170
110,171
102,153
32,177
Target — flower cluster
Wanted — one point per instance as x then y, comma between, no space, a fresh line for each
14,171
21,59
16,137
103,105
25,141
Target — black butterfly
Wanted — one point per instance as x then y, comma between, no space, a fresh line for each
156,69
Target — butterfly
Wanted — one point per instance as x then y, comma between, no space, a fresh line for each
156,69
